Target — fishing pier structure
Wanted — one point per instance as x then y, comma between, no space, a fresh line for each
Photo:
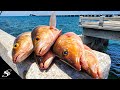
84,15
28,69
98,30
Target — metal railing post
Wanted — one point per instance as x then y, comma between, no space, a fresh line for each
101,21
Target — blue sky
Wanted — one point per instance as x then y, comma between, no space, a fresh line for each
26,13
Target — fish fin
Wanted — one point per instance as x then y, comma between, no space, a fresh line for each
87,48
69,34
83,62
52,22
93,69
99,72
60,32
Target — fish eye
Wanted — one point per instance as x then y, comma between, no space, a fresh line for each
37,38
65,52
16,45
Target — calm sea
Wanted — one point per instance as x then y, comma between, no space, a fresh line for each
15,25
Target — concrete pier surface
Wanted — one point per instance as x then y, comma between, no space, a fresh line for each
28,69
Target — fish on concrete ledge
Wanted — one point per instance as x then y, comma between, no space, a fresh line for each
40,41
22,48
70,48
43,37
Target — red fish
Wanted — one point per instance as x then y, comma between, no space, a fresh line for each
22,48
70,48
93,66
44,37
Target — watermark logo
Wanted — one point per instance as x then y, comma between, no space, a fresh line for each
7,73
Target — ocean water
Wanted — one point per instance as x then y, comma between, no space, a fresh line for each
16,25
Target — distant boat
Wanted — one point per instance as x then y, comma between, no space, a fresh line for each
32,15
1,12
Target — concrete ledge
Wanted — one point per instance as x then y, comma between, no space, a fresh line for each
28,69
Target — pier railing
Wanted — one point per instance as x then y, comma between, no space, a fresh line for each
98,30
105,23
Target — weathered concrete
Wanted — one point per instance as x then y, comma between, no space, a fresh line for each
28,69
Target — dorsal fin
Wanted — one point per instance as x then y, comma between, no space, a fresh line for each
52,22
69,34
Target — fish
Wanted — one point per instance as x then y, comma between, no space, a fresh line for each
22,47
45,61
93,66
70,48
44,36
87,48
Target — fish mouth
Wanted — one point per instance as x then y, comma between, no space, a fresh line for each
17,58
42,49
